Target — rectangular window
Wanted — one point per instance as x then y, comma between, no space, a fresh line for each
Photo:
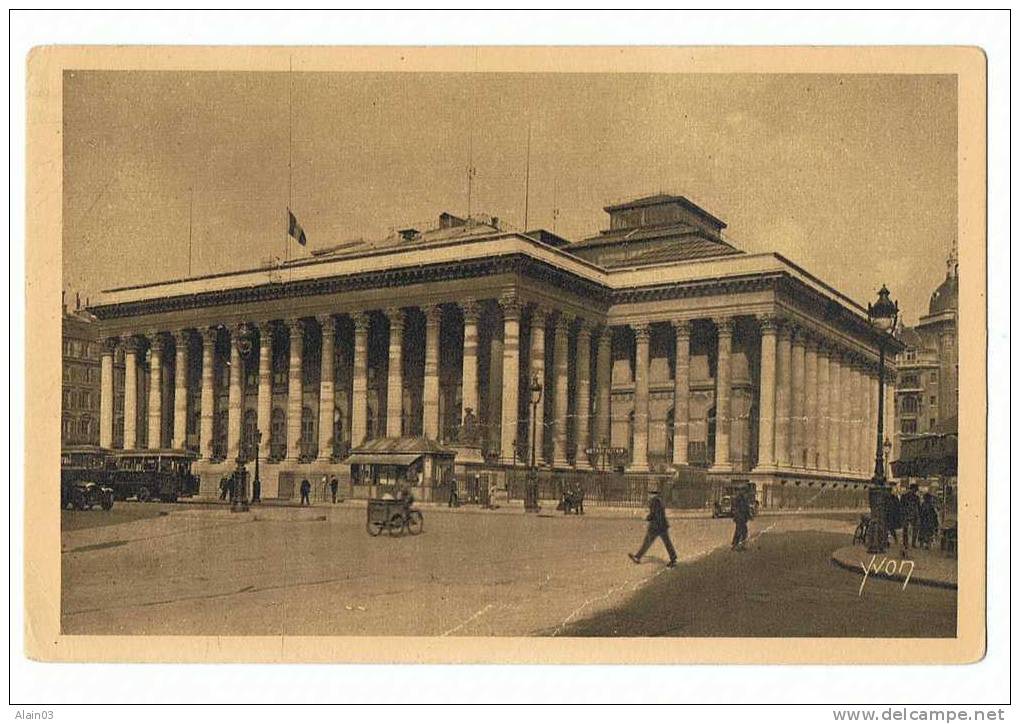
908,427
931,424
934,377
931,400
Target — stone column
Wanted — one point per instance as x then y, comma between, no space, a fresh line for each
855,418
582,367
264,404
867,421
811,402
783,400
235,394
430,384
798,398
155,390
205,422
537,361
109,346
767,394
723,418
327,387
295,383
835,408
822,421
681,390
846,415
603,385
560,370
130,393
181,339
511,375
359,383
639,455
469,370
395,374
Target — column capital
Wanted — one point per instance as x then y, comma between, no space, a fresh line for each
585,327
182,336
396,317
510,305
539,315
433,313
812,343
361,320
109,344
769,323
682,328
209,334
156,340
471,309
294,325
784,328
325,320
132,343
605,333
563,322
724,326
642,331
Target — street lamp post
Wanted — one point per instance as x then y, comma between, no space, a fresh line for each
531,493
256,485
883,316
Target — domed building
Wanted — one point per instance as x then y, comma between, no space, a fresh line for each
927,387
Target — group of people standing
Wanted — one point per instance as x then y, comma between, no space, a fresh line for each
916,518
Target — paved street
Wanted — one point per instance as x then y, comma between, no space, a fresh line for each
202,570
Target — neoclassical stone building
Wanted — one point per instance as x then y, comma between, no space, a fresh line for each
656,336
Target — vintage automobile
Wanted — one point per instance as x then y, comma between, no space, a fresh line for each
85,463
153,475
723,505
85,495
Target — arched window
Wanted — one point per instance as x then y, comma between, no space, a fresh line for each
307,432
249,445
278,431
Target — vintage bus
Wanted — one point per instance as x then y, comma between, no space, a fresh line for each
153,475
85,463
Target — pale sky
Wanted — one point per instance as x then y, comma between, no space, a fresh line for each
852,177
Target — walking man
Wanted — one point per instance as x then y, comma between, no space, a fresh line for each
306,488
741,514
334,485
910,505
658,527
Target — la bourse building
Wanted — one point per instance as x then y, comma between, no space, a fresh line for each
655,337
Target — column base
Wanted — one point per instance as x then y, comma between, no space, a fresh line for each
721,468
638,468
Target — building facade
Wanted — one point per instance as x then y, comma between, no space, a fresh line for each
79,408
928,382
655,335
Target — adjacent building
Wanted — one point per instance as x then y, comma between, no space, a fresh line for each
656,336
927,388
79,408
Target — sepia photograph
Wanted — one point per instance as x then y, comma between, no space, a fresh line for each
470,354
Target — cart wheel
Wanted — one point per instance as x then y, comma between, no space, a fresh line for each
143,495
374,528
396,524
415,522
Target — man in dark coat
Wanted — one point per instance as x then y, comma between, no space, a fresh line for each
658,527
741,510
929,520
910,505
334,486
306,488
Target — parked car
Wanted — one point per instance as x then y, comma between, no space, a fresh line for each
85,495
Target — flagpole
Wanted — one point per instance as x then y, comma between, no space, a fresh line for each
527,177
191,214
290,154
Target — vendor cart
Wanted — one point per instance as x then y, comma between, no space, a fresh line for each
394,517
